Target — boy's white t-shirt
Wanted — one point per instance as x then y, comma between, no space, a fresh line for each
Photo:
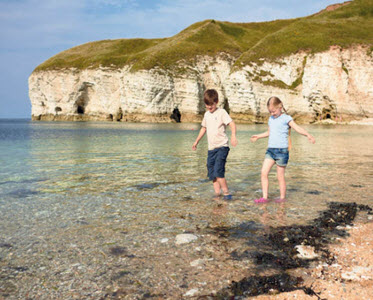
215,124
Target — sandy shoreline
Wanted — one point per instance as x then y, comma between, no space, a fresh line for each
350,276
331,258
365,121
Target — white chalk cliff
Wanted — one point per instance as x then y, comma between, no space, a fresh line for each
326,85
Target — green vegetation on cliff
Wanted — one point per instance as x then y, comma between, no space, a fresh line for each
247,42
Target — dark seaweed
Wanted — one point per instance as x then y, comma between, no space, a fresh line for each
279,252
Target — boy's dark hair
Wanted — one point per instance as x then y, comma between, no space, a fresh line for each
210,97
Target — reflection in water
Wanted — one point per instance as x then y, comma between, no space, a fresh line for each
273,215
219,214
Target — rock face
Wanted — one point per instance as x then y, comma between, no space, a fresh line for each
336,84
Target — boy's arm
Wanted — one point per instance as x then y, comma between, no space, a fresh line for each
233,128
199,137
302,131
255,137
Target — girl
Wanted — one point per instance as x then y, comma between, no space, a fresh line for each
279,125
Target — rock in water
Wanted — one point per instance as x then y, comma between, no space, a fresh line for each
185,238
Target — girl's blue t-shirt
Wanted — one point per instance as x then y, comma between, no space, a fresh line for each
279,131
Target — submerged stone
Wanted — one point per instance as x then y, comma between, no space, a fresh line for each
5,245
185,238
191,293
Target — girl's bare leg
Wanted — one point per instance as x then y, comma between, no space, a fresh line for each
281,181
267,166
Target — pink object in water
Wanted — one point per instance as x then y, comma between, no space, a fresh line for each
261,200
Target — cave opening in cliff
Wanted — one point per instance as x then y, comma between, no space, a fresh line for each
176,115
328,113
80,109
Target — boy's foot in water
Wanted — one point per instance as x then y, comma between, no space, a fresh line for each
227,197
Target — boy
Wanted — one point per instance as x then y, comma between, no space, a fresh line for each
214,122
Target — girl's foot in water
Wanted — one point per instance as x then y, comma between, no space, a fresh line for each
280,200
261,200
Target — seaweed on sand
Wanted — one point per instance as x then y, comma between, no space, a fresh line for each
279,252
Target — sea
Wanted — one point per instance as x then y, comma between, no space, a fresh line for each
77,196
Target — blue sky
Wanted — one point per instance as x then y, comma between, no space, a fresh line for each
34,30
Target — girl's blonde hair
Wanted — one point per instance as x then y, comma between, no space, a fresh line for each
276,102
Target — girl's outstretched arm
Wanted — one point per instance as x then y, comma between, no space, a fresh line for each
200,135
255,137
302,131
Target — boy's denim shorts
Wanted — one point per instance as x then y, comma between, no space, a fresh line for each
216,160
279,155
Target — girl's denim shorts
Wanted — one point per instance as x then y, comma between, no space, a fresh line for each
279,155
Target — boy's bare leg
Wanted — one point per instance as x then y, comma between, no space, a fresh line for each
267,166
281,181
217,186
223,185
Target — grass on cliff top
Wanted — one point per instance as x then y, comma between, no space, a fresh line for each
107,53
348,25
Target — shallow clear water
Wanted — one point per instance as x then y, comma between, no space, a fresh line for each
95,185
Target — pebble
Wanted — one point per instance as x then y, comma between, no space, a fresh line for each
306,252
185,238
191,293
197,262
165,240
75,265
357,273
